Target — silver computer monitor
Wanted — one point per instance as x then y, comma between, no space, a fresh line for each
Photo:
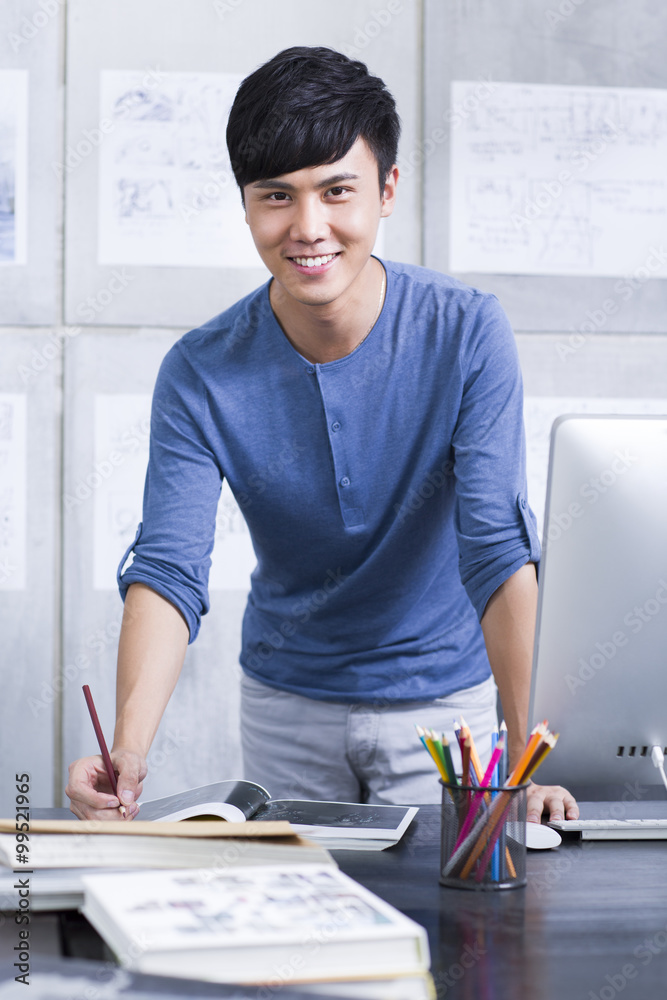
600,661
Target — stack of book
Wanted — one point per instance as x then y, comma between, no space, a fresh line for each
235,894
68,978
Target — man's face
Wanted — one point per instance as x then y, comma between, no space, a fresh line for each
315,228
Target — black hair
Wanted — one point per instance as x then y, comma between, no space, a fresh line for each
306,107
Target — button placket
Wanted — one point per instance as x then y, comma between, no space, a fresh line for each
336,431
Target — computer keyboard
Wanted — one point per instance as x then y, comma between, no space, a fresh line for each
614,829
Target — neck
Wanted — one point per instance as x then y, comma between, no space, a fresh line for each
331,330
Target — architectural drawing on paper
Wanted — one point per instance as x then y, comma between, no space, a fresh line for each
13,491
13,165
558,180
167,194
116,477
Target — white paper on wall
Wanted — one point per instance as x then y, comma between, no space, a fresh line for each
167,194
13,491
122,428
122,432
539,415
13,166
558,179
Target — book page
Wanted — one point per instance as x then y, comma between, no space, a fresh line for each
235,801
352,819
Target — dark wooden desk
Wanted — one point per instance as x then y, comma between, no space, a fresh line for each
591,923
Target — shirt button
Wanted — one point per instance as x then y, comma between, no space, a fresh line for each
335,426
310,369
345,481
522,501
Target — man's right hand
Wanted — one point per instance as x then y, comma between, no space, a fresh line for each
89,790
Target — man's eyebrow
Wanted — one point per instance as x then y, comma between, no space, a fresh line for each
284,186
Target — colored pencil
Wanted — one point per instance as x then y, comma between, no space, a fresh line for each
474,756
516,777
493,762
465,761
476,802
111,774
433,753
480,842
435,740
482,814
502,766
503,850
495,860
449,763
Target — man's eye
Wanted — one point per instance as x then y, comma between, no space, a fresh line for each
278,196
337,190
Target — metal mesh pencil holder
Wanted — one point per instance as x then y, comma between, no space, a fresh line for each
483,837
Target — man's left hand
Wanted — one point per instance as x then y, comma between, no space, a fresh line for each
554,800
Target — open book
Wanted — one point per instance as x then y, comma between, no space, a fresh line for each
334,825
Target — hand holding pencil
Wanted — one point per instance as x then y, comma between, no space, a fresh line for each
94,783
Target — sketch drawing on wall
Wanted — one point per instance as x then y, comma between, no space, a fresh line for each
167,194
13,491
121,438
13,165
558,180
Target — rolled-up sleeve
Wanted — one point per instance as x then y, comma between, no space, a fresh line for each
172,549
496,529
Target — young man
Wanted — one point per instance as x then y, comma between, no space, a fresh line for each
395,548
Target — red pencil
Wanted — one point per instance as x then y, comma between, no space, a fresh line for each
465,756
102,742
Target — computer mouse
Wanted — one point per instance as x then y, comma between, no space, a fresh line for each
540,837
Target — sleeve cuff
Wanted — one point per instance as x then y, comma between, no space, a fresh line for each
527,549
126,577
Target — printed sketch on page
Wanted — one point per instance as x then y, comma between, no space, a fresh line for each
122,431
167,194
558,180
13,491
13,166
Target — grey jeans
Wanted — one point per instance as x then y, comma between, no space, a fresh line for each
300,748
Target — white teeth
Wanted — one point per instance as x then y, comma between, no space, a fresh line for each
314,261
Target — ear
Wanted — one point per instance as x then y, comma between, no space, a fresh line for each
389,193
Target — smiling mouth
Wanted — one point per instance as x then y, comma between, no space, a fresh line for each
314,261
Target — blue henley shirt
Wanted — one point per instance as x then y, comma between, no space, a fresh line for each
384,492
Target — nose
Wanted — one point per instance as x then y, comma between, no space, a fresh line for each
309,223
